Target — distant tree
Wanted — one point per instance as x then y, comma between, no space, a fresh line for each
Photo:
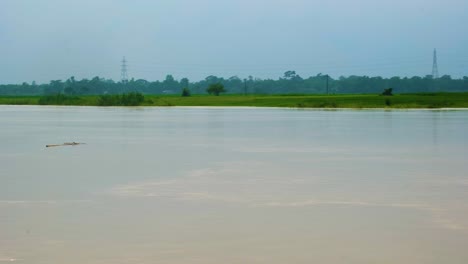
213,79
184,83
55,87
290,83
170,83
289,75
83,90
216,89
69,90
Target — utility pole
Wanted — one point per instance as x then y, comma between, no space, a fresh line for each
435,69
123,72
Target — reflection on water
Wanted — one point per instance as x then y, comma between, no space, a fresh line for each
232,185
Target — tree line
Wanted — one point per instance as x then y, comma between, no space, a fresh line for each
289,83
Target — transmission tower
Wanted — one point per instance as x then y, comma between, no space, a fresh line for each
435,69
123,73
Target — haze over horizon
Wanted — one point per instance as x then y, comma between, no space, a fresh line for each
52,39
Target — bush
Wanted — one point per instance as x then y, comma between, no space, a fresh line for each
185,92
129,99
132,99
387,92
58,99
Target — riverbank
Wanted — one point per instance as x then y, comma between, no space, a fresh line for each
400,101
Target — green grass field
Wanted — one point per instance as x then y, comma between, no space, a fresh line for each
427,100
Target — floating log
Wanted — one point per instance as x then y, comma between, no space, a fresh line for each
65,144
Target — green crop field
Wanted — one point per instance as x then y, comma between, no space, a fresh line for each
426,100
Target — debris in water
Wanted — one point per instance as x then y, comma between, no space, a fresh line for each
65,144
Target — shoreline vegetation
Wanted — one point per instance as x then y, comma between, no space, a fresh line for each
352,101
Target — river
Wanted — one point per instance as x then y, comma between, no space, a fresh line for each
233,185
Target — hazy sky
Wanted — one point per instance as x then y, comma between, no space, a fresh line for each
43,40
